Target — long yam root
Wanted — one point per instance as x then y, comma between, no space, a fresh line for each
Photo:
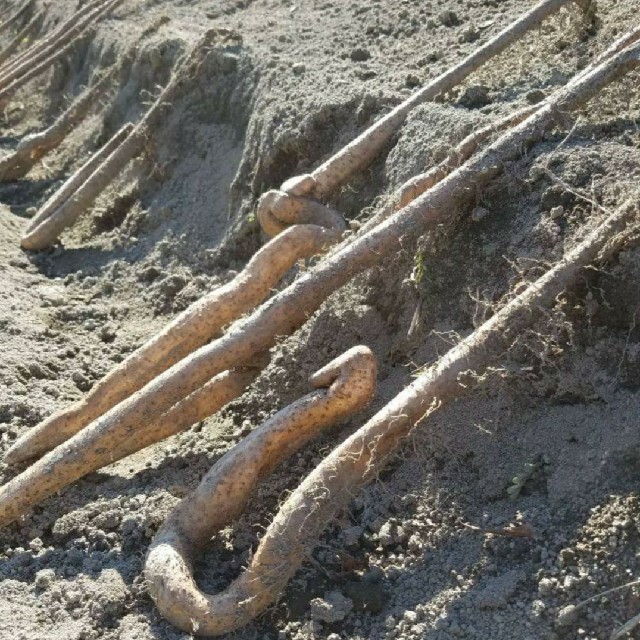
190,330
344,386
34,147
50,229
32,26
103,443
351,465
416,186
288,310
72,184
359,153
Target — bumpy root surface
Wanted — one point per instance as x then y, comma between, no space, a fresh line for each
288,310
105,442
34,147
343,387
350,466
190,330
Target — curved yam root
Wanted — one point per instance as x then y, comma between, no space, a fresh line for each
351,465
290,309
33,148
190,330
102,443
47,233
223,494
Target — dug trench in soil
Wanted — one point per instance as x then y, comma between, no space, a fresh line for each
163,255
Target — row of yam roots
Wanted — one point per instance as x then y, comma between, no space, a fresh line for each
194,367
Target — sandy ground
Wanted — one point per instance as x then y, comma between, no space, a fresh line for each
411,557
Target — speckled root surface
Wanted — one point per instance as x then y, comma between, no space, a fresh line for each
518,505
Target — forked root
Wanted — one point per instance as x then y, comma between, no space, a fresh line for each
344,386
330,487
49,230
34,147
291,308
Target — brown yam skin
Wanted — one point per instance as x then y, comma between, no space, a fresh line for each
344,386
348,467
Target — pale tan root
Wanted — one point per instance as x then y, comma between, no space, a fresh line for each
48,38
190,330
75,181
416,186
344,386
102,443
26,32
10,76
362,151
9,22
48,231
331,485
34,147
288,310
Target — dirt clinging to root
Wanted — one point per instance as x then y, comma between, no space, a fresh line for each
546,445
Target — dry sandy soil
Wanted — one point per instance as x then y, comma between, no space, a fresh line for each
411,558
